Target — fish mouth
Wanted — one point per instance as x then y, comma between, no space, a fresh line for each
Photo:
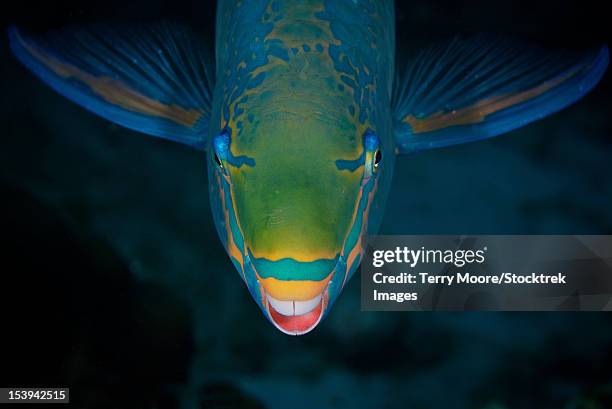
296,317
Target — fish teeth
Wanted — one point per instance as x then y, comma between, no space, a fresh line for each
291,307
281,306
302,307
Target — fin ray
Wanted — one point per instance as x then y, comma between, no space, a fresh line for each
479,87
152,78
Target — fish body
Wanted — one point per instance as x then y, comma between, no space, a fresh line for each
300,85
300,115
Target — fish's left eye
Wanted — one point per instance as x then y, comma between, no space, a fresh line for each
377,159
373,153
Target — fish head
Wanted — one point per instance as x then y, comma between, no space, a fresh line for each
291,196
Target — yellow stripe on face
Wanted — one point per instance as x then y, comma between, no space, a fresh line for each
302,257
480,110
116,92
298,290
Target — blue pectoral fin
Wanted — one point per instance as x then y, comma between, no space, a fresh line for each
155,79
476,88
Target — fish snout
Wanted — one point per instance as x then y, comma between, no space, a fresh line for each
295,307
295,299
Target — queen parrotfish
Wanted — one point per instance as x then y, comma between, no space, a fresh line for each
300,116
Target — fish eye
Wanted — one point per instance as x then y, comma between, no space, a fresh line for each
220,148
373,153
217,160
377,159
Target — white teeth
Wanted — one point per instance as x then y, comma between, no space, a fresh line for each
302,307
291,307
282,307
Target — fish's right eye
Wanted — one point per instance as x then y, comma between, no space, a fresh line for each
377,159
217,160
373,154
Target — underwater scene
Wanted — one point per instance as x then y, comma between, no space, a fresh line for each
115,283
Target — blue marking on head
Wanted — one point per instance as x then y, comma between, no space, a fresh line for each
221,144
371,141
350,164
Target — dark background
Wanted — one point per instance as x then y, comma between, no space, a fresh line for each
113,282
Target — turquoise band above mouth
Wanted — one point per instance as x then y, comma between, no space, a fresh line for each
290,269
